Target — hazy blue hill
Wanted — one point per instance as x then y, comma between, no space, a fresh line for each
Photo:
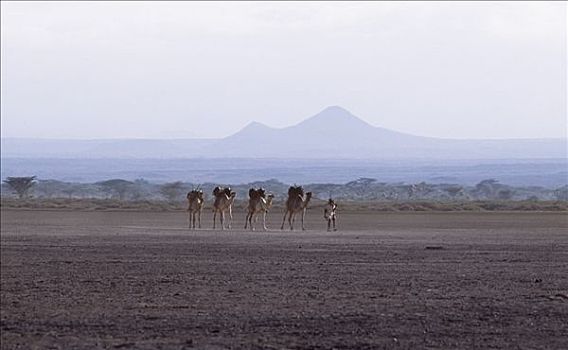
331,134
336,133
338,123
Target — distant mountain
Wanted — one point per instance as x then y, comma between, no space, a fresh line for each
331,134
336,133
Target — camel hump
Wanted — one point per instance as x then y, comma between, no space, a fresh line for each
256,193
252,193
295,191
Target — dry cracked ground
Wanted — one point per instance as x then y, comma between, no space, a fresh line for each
141,280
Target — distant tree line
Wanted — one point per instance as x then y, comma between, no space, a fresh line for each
366,189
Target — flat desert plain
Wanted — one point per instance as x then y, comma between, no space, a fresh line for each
142,280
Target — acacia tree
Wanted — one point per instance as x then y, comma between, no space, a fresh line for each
21,185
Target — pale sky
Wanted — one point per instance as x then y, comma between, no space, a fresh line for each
188,69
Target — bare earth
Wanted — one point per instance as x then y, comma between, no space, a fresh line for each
141,280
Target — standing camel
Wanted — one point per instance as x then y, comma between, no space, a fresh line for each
195,205
259,202
224,199
297,201
329,214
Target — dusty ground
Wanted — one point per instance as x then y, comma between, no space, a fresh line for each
384,281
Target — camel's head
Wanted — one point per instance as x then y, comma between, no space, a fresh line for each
195,195
308,196
227,191
192,194
268,200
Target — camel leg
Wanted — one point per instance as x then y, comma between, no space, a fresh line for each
291,219
247,219
264,221
214,218
328,225
222,216
255,219
284,220
334,228
303,216
199,218
188,219
230,218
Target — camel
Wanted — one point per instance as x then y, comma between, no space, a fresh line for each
224,199
259,202
195,204
297,201
329,213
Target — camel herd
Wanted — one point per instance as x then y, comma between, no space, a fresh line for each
259,203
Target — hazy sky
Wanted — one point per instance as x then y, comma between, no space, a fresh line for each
189,69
